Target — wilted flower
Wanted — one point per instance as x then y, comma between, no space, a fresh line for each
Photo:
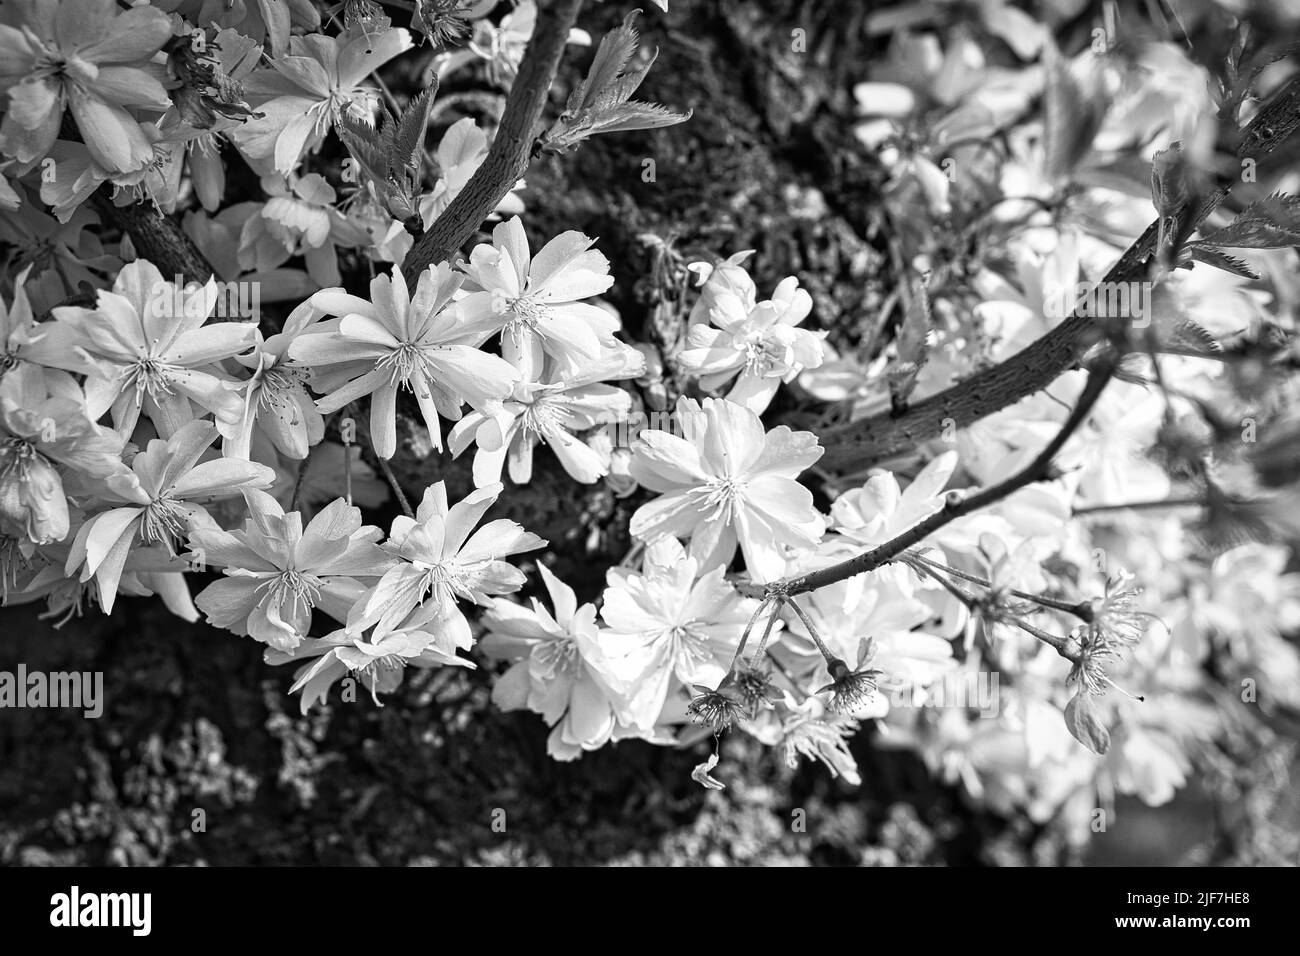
702,774
851,688
422,343
726,482
278,571
717,709
446,21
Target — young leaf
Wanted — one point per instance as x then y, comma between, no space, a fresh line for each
602,101
1269,223
914,339
1219,259
409,137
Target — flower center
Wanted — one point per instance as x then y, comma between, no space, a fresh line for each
690,645
760,355
545,417
403,362
295,588
147,374
280,386
527,313
558,657
165,519
725,496
382,675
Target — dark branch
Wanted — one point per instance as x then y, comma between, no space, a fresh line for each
859,445
158,238
507,159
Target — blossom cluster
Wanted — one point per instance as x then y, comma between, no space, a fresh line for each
150,439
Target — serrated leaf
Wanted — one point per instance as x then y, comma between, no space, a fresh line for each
408,138
391,155
602,101
1189,335
616,48
1268,223
1220,260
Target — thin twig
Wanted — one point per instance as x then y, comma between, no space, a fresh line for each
1142,505
1039,469
396,486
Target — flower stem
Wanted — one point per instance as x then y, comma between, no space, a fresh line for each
811,627
397,488
744,637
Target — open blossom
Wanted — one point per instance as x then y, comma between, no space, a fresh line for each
161,497
535,300
503,45
302,94
379,661
276,401
561,668
551,412
670,621
278,571
727,483
45,434
148,571
460,153
758,344
23,339
150,352
442,559
91,57
421,343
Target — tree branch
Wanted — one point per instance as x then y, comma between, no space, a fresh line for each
507,159
158,238
858,445
1040,469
